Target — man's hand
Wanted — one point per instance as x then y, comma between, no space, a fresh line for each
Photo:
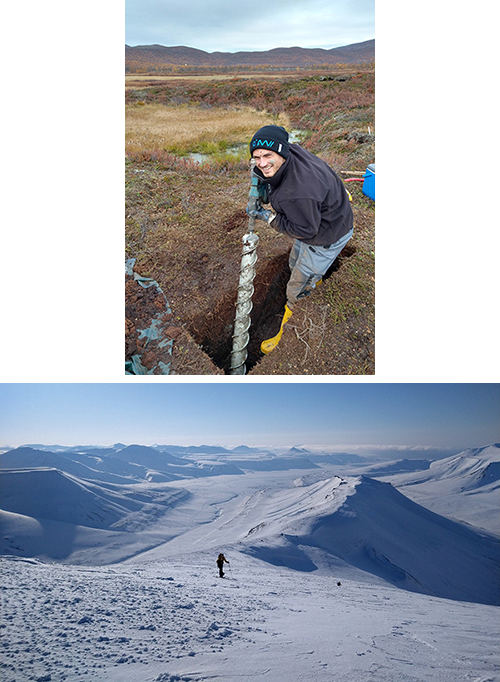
262,214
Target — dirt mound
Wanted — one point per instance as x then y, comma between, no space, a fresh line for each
174,351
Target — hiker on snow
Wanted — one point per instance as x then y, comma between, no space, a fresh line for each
220,563
310,204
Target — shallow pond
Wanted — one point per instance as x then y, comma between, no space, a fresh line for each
240,150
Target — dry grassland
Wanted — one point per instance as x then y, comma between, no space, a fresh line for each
132,80
191,129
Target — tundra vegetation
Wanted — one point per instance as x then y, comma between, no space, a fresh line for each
187,129
185,219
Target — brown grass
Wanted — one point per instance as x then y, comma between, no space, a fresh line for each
182,129
135,79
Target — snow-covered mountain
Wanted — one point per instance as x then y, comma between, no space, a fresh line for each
131,464
102,468
148,457
332,576
397,466
47,513
51,495
465,487
467,471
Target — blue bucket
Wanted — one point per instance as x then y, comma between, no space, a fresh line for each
369,183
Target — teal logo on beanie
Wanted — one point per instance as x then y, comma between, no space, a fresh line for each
271,137
262,143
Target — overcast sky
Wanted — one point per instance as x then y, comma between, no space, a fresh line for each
404,418
232,26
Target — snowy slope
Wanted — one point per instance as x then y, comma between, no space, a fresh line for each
47,513
362,522
56,496
465,487
53,495
174,620
379,530
469,470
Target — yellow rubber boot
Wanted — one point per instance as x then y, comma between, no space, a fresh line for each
268,345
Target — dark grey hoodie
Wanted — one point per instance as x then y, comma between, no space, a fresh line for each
309,198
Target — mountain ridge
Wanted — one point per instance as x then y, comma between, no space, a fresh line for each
372,526
181,55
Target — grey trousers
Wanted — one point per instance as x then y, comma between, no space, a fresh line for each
308,264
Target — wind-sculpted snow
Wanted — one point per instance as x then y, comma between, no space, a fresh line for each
71,622
174,620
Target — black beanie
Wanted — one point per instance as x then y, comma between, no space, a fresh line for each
274,138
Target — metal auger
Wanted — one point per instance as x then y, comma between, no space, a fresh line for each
244,303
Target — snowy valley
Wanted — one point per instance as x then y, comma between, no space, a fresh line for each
341,568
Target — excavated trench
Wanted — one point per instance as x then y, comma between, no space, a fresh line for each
151,327
213,332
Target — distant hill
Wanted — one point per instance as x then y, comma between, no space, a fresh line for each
465,487
244,449
160,55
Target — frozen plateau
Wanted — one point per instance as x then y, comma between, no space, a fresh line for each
341,568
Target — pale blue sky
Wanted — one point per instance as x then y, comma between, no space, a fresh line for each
231,26
449,416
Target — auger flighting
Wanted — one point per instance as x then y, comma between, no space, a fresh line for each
244,304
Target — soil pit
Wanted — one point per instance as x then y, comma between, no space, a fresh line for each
214,332
203,344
